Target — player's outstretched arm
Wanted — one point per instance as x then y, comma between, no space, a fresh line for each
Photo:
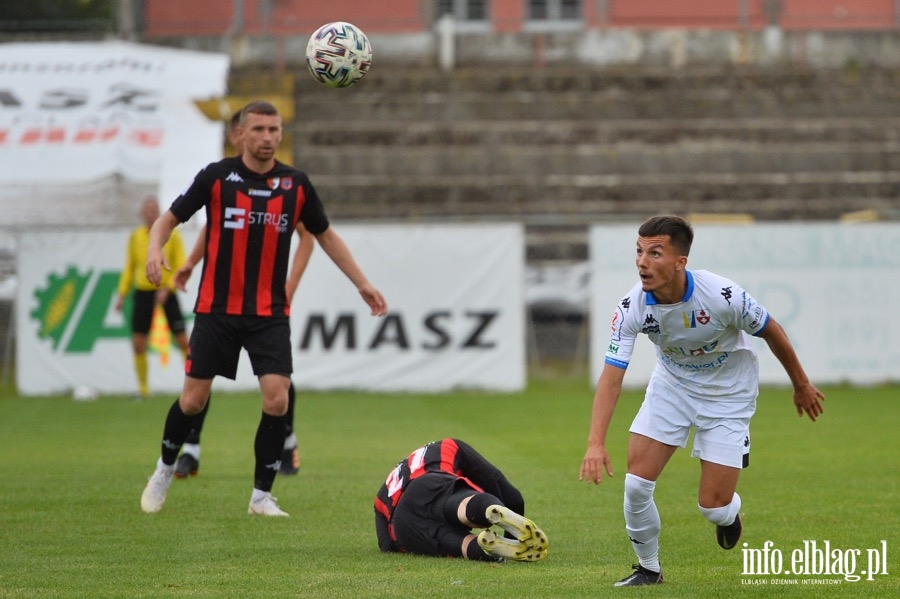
183,273
596,459
340,254
807,398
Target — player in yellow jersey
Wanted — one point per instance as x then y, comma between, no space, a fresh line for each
146,295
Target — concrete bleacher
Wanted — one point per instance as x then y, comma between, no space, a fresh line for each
558,149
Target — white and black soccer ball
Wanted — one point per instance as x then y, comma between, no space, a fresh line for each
84,393
338,54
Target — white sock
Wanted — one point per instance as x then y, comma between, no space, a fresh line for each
290,441
192,449
163,467
725,515
257,495
642,520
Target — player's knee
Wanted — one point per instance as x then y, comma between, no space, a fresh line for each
638,491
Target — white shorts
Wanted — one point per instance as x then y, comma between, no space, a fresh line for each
722,425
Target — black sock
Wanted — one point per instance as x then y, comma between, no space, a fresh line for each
268,446
289,415
177,426
477,507
197,424
475,553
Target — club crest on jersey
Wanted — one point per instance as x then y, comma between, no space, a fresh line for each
695,317
285,183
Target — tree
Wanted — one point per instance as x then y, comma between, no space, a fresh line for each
57,15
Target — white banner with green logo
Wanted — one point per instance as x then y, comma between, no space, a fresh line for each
456,314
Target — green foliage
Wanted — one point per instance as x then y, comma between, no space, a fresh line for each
56,15
71,525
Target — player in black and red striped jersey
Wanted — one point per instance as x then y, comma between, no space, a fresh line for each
188,463
253,205
434,498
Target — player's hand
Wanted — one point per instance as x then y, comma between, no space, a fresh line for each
375,300
120,303
808,399
596,460
181,276
156,262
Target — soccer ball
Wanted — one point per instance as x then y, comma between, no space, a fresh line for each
84,393
338,54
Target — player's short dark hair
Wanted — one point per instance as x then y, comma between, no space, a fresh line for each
679,231
258,107
235,119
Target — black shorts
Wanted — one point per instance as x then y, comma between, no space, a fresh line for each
217,339
419,521
142,312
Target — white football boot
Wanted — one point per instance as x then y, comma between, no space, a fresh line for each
154,495
266,506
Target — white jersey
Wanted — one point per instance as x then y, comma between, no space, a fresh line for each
702,342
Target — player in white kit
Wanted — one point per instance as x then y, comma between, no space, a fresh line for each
706,378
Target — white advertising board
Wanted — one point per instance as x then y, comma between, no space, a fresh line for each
97,109
78,118
456,315
831,286
456,320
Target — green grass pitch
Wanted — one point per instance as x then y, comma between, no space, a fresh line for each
72,474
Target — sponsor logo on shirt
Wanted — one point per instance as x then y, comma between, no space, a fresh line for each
266,193
709,347
238,218
650,325
726,293
757,317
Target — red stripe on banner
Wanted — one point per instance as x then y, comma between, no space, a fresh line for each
274,210
207,290
235,304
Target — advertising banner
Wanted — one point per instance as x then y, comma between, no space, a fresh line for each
456,316
96,125
96,109
817,280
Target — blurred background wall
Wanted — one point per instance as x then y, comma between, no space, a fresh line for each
556,114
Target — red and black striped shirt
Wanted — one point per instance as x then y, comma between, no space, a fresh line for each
447,456
250,218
